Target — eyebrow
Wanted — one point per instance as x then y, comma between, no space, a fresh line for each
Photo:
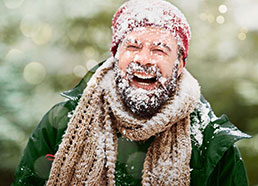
130,40
162,45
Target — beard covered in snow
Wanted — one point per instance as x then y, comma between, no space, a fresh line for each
141,102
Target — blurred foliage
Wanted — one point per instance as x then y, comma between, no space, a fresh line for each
47,46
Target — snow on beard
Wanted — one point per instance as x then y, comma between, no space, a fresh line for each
141,102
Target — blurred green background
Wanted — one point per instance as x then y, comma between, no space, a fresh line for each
47,46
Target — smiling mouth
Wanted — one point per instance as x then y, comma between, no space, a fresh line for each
144,81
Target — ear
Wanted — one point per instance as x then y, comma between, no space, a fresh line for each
180,66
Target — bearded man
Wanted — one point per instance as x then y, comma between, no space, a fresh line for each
140,119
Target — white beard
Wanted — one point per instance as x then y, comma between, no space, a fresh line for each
142,102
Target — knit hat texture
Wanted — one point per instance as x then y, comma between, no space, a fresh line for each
135,14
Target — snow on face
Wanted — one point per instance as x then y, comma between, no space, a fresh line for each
141,13
142,102
149,45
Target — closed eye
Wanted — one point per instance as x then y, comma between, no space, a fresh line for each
157,50
132,47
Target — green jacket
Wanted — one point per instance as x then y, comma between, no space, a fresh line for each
215,159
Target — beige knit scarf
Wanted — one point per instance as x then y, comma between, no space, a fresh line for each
87,154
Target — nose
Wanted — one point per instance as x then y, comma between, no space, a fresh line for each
144,57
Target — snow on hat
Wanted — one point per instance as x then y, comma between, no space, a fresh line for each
135,14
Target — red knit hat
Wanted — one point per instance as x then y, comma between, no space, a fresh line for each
135,14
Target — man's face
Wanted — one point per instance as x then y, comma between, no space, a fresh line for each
148,67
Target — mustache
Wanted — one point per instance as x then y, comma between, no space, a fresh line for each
148,69
153,70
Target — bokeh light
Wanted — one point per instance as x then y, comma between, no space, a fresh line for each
220,19
40,32
14,55
91,63
75,33
79,71
223,9
241,36
27,25
34,73
43,34
90,52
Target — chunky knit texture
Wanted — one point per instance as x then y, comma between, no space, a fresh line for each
88,151
137,14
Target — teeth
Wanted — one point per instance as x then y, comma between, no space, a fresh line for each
145,76
142,83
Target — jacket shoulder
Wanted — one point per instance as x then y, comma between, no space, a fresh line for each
212,137
34,167
230,170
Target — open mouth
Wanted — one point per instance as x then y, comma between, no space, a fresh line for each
145,81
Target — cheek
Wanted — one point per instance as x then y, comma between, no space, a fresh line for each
166,68
124,60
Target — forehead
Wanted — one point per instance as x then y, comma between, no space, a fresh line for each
151,34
